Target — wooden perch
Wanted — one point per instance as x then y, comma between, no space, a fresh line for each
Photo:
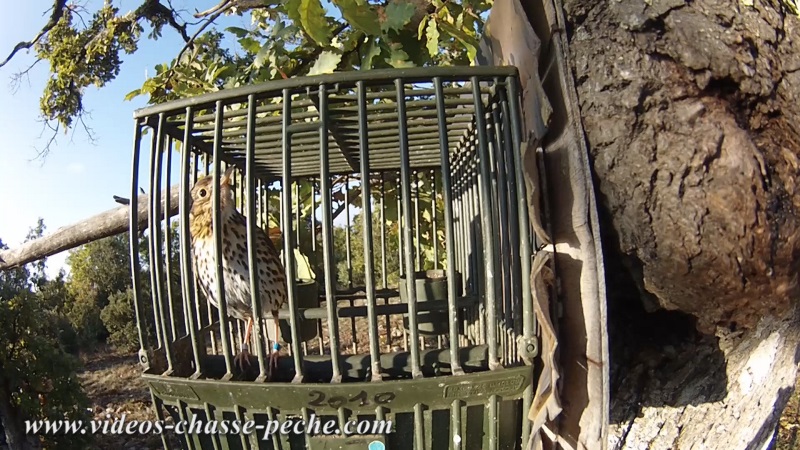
105,224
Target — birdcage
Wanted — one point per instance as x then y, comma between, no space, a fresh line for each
397,200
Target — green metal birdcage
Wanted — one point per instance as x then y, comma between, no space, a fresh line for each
404,228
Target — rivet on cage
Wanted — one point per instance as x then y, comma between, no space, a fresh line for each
374,227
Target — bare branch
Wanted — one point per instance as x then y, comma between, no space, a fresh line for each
105,224
16,79
240,5
214,9
58,12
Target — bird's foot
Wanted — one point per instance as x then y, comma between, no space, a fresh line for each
273,360
242,360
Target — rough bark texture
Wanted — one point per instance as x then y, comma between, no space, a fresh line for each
691,113
715,393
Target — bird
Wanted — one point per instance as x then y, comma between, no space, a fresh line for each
235,267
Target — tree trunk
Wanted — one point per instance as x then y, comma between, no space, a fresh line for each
690,110
690,113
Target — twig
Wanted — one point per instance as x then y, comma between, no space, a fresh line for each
213,9
190,42
55,16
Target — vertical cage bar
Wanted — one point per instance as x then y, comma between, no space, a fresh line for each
405,174
314,249
434,228
522,207
151,254
216,439
384,279
348,255
419,427
216,223
458,214
366,214
244,438
187,276
400,258
492,412
516,243
511,112
504,232
327,234
133,241
255,281
158,405
417,228
168,243
189,439
313,215
288,250
480,251
455,425
444,155
156,240
487,228
297,212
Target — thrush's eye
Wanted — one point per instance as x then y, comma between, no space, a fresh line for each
202,192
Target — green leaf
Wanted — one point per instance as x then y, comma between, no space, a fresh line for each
397,15
370,52
239,32
360,16
433,38
312,17
132,94
421,29
469,42
250,45
262,56
326,63
292,8
399,58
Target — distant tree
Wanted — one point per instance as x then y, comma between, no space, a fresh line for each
97,270
37,380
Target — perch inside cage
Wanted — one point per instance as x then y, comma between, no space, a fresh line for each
398,196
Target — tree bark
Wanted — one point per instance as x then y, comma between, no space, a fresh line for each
690,113
690,110
105,224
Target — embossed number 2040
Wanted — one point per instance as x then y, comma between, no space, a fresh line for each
338,401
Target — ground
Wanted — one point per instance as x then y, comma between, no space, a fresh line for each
113,383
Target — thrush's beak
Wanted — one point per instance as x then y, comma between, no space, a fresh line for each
226,177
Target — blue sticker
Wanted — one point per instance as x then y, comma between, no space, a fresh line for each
376,445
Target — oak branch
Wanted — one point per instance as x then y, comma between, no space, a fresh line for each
105,224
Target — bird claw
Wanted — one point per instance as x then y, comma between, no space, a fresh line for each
242,360
272,363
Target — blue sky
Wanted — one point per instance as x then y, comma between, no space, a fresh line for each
79,177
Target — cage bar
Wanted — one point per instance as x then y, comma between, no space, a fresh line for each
216,217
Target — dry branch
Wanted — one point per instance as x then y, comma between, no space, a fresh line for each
55,16
105,224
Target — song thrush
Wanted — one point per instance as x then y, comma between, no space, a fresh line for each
271,278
